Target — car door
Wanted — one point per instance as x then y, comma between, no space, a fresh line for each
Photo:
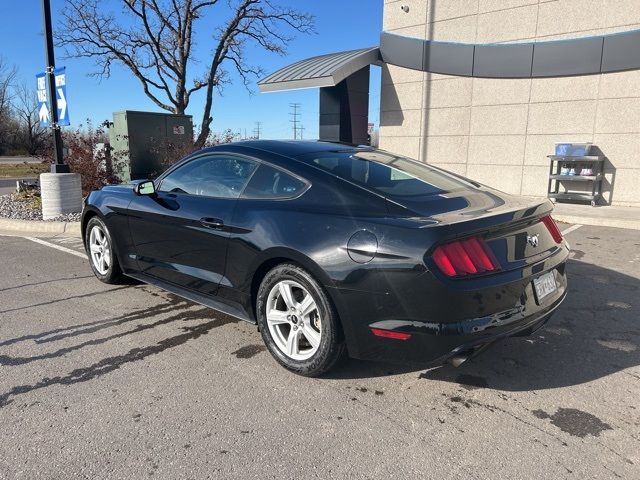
181,232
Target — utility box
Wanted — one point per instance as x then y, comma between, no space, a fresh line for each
144,143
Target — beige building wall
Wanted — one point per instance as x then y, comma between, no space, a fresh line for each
499,132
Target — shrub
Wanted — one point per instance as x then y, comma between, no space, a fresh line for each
84,155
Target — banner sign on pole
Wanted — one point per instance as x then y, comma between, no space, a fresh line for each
44,114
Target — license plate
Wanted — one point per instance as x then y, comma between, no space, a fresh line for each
545,285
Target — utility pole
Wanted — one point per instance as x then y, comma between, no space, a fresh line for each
256,131
295,114
58,165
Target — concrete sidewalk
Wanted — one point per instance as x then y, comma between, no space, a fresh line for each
605,216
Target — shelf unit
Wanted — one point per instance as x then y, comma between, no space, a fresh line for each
556,179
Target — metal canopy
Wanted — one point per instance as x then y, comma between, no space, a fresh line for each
321,71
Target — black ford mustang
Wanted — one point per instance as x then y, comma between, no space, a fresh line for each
333,249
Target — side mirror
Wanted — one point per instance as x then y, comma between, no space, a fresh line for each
144,188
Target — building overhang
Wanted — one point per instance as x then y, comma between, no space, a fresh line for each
558,58
321,71
343,77
543,59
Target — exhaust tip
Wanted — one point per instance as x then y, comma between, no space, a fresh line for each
458,360
464,355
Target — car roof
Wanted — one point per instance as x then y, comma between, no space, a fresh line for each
289,148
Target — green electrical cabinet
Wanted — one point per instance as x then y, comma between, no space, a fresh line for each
144,143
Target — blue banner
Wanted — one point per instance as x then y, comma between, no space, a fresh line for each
44,108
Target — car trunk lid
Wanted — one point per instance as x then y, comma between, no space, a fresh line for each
511,227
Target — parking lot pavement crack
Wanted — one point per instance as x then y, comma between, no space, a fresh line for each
496,408
58,300
45,282
538,415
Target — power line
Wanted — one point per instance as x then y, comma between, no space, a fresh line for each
295,114
257,130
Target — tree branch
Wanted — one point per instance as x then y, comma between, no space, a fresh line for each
154,40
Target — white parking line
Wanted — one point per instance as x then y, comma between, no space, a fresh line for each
573,228
70,240
57,247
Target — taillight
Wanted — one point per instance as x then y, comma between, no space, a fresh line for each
379,332
551,225
465,257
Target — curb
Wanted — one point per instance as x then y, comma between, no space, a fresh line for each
598,222
39,226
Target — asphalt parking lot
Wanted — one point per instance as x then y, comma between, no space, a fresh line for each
128,382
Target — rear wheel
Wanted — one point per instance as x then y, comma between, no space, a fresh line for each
298,322
102,257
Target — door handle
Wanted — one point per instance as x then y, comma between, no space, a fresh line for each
211,222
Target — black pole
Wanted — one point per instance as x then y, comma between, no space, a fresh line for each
58,165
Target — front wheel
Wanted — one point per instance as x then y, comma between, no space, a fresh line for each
99,247
298,322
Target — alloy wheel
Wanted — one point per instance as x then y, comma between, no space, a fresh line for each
294,320
100,250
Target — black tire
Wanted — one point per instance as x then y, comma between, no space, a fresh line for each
113,274
331,349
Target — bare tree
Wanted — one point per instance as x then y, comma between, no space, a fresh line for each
7,78
30,135
155,40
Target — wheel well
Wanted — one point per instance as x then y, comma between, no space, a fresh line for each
88,216
260,274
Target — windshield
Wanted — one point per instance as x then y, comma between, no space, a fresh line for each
387,174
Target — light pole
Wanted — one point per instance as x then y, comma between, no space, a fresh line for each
58,165
60,190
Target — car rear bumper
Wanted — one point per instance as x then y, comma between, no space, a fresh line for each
435,342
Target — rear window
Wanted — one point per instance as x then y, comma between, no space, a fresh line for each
269,182
387,174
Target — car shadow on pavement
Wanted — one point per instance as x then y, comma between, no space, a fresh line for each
172,302
179,309
593,334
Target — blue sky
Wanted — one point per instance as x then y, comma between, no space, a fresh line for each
340,25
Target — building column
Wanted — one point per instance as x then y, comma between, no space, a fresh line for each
344,110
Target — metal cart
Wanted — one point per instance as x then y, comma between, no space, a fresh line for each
595,162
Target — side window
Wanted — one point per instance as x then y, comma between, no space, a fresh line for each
269,182
215,176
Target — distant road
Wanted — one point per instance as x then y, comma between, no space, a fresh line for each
8,185
19,160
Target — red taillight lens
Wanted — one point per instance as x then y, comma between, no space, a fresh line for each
465,257
379,332
551,225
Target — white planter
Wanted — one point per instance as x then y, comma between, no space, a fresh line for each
61,193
